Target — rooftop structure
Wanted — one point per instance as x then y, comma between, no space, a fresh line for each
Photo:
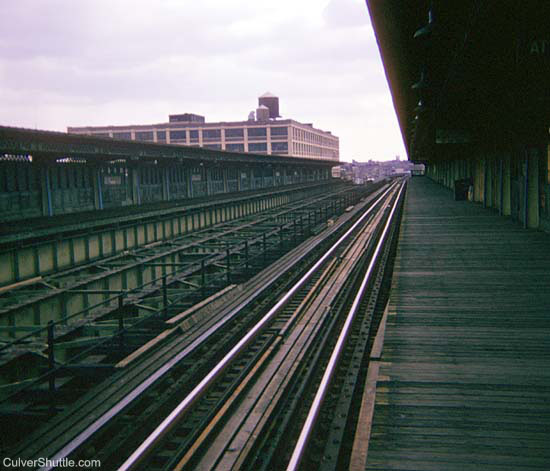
271,102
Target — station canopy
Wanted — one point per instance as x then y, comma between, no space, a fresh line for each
466,73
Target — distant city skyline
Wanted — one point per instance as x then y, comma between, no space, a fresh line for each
99,62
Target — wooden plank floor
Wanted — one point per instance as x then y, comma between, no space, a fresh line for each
464,380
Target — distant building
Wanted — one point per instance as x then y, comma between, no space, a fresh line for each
260,134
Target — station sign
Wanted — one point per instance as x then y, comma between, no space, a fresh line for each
539,48
533,66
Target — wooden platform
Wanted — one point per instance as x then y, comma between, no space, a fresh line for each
464,376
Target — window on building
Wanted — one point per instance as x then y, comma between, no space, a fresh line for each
211,134
122,135
144,135
279,131
257,132
194,135
279,146
177,135
234,133
257,147
161,135
234,147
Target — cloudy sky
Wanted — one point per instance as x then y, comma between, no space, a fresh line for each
99,62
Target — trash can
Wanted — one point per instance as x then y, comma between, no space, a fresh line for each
461,189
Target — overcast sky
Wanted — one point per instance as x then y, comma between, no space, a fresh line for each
99,62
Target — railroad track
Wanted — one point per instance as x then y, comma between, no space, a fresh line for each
283,220
304,332
243,340
230,424
333,412
291,338
92,281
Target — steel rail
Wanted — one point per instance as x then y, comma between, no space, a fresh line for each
135,393
184,405
312,314
313,413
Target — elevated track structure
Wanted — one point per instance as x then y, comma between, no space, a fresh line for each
218,350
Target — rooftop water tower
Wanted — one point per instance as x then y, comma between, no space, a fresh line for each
272,102
262,113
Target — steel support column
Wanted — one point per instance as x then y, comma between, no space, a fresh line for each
533,198
45,185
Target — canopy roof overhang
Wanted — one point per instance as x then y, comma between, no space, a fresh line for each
465,73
